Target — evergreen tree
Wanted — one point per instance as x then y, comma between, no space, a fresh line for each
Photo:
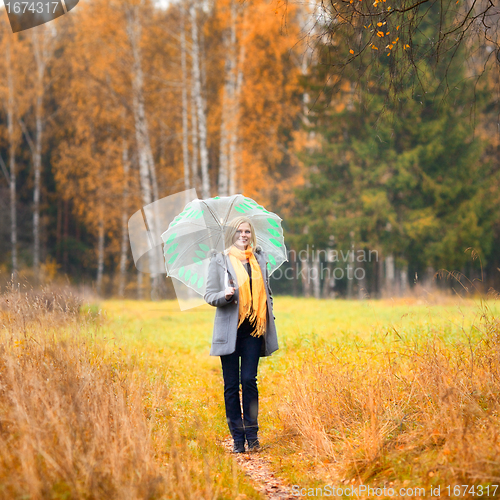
400,176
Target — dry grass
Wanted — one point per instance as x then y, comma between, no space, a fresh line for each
425,410
79,420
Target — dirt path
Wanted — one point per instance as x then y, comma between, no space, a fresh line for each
257,466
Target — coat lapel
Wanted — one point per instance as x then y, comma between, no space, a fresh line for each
221,258
230,267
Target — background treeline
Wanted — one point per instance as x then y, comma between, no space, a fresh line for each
122,102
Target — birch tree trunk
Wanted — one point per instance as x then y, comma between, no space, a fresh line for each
325,293
350,267
379,265
404,280
228,122
304,69
195,179
317,277
233,143
147,170
362,282
293,258
227,99
141,126
12,160
389,274
42,49
235,109
124,242
304,16
428,281
202,120
306,285
37,186
100,253
185,124
194,140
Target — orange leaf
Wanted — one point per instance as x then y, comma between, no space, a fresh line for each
351,51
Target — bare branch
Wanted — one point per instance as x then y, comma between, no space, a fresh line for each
26,133
4,169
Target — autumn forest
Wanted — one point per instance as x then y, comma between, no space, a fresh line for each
123,102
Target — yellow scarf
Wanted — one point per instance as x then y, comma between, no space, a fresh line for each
254,304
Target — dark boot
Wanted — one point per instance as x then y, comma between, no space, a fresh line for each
239,447
254,445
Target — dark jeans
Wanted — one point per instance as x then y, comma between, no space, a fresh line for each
248,349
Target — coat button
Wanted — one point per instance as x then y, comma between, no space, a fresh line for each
235,301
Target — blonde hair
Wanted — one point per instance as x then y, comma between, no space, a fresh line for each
231,228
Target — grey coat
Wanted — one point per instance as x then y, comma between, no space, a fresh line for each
226,316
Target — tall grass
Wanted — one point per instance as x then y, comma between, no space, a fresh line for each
79,420
419,408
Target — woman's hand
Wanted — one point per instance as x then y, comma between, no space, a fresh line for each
229,292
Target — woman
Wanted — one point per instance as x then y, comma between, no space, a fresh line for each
244,325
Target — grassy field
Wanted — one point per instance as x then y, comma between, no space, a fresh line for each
388,393
377,391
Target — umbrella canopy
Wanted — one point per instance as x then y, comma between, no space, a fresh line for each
199,229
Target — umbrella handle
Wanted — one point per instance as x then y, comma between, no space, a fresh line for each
226,274
226,277
228,282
